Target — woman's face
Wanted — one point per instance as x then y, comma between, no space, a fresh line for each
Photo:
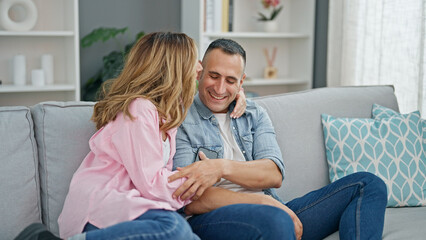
198,69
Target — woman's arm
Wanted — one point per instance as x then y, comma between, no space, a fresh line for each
138,144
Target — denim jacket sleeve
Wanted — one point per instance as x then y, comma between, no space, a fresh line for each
184,155
261,140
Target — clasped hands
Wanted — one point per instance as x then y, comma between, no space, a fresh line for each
200,176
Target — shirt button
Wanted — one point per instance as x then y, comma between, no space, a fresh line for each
233,128
244,151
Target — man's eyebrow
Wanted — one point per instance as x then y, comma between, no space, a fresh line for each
213,72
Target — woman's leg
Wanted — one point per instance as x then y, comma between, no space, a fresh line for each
355,205
154,224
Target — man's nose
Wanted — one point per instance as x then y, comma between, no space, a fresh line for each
220,87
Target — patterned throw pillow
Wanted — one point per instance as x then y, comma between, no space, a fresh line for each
391,148
380,112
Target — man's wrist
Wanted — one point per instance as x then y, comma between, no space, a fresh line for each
225,167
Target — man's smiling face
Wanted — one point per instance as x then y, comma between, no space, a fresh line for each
220,80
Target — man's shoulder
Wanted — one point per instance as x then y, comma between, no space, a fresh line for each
254,109
252,104
193,117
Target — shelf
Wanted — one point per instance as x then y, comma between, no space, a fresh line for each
38,33
56,33
255,35
270,82
294,40
30,88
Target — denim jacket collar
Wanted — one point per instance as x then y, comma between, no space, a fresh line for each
204,111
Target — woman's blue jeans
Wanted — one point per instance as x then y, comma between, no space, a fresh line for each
154,224
355,205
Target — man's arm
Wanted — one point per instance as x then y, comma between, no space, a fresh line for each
216,197
257,174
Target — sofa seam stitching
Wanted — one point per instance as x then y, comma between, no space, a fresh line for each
36,162
45,168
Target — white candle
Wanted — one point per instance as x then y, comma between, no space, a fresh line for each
37,77
47,66
19,70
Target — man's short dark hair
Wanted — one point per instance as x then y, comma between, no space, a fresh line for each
228,46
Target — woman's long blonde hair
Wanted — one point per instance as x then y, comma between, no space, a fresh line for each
160,67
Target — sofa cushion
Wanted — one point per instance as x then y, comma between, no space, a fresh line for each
62,130
380,112
401,223
390,148
297,121
19,188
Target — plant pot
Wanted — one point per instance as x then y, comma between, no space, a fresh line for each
268,26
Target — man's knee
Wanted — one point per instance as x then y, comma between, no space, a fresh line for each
374,184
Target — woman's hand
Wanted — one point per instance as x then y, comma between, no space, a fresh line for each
200,176
241,104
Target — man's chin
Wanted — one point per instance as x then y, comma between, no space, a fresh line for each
217,109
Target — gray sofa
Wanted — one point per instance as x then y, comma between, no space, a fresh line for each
42,146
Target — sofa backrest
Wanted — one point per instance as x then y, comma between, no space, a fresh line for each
19,179
62,131
297,121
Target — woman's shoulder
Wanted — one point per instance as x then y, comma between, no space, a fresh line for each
142,106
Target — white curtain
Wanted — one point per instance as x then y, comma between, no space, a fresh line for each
379,42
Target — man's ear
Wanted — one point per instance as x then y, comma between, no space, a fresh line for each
242,79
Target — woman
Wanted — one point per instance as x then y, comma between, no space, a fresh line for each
120,189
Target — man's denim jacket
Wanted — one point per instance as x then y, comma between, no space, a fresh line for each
253,132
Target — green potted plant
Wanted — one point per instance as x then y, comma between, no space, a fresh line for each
112,63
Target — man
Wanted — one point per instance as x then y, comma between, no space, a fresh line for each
232,193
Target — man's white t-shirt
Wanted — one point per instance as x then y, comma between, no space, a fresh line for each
231,151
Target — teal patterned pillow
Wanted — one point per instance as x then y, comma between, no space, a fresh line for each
380,112
391,148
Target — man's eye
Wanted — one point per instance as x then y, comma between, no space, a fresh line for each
214,76
230,81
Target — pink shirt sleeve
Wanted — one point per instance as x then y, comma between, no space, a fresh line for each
139,146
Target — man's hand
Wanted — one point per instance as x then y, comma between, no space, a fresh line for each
240,105
201,175
298,226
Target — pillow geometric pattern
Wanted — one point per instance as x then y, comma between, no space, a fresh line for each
390,148
380,112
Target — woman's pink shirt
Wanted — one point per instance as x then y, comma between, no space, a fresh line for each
123,175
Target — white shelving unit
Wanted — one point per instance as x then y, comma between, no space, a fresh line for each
294,41
56,33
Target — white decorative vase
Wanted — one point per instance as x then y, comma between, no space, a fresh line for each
19,70
47,66
24,10
268,26
37,77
